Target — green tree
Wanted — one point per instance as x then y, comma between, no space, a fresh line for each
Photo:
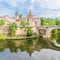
52,23
2,22
12,29
29,32
45,24
57,22
27,24
1,36
20,15
54,34
48,22
22,23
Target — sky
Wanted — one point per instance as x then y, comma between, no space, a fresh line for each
44,54
39,8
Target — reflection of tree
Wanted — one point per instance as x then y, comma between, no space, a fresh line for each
58,38
31,45
56,35
39,44
27,46
11,45
2,49
29,41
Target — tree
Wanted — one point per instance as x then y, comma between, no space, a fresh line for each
54,34
2,22
12,29
1,36
57,22
45,24
20,15
52,23
27,24
29,32
48,22
22,23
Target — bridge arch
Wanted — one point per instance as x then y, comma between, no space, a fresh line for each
47,30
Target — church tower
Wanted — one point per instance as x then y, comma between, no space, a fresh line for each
30,16
17,14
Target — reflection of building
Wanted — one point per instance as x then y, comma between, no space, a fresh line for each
34,22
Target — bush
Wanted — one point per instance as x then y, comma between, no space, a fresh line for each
1,36
29,32
2,22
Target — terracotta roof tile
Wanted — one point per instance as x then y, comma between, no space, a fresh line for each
30,15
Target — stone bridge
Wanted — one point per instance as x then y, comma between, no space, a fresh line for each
47,29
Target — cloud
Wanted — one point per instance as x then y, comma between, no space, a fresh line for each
46,8
5,11
38,7
49,4
14,3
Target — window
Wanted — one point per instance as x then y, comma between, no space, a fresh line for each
27,19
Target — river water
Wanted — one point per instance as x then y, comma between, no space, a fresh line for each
44,54
29,49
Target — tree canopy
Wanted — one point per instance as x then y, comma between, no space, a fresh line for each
2,22
49,21
12,29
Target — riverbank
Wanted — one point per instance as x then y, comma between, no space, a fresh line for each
19,38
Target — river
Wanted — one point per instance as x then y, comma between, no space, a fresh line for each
29,49
44,54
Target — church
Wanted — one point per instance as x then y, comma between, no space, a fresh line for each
33,22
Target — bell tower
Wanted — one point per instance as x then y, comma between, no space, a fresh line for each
16,14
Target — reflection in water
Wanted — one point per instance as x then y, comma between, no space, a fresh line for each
56,35
22,49
44,54
28,45
48,54
7,55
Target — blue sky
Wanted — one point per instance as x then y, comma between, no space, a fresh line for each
41,8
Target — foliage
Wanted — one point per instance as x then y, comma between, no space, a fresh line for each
57,22
27,24
20,15
29,32
49,21
22,23
2,22
1,36
12,29
52,23
56,35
